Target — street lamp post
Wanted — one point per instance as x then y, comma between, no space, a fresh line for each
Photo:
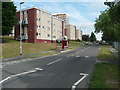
20,30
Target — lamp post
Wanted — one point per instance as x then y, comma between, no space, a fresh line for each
21,29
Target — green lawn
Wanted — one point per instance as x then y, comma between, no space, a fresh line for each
74,43
104,53
43,54
10,47
105,75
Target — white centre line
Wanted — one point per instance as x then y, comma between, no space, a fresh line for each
87,56
77,52
54,61
77,56
75,84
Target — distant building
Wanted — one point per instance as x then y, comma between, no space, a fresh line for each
79,35
57,28
38,26
64,17
71,32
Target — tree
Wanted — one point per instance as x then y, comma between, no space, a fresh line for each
85,37
8,17
92,37
109,23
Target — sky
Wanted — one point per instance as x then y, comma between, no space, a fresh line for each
81,13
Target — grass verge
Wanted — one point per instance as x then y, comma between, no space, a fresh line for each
105,53
105,75
10,47
43,54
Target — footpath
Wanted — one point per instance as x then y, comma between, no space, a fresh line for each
116,54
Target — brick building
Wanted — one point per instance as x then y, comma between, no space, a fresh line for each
38,26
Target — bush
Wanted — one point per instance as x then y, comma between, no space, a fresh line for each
78,40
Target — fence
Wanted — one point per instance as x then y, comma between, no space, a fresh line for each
116,45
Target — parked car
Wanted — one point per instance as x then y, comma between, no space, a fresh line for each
86,43
18,38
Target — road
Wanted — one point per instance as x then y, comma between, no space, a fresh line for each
70,69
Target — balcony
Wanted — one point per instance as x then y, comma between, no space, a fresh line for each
24,37
24,22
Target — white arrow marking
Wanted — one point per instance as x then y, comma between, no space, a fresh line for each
76,83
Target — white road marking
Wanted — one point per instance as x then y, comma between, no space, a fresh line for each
23,73
54,61
87,56
77,56
73,87
68,56
77,52
76,83
5,79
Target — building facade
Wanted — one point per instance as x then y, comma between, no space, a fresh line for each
38,26
64,17
57,28
71,32
79,35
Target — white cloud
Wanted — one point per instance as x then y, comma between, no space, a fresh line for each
62,0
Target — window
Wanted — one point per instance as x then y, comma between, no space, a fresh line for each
39,19
54,36
43,27
48,21
48,35
36,26
37,33
25,12
48,28
38,11
39,26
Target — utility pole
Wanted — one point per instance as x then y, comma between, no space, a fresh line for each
21,29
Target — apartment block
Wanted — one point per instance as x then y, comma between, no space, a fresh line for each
57,28
79,35
64,17
71,32
38,26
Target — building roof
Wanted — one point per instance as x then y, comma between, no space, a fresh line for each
35,8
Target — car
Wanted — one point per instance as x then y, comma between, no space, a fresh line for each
18,38
86,43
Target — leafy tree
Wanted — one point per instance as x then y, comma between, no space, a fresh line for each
85,37
109,23
8,17
92,37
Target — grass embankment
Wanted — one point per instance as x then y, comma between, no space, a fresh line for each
105,53
74,44
43,54
10,47
105,75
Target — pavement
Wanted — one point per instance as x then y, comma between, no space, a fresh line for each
116,53
70,70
